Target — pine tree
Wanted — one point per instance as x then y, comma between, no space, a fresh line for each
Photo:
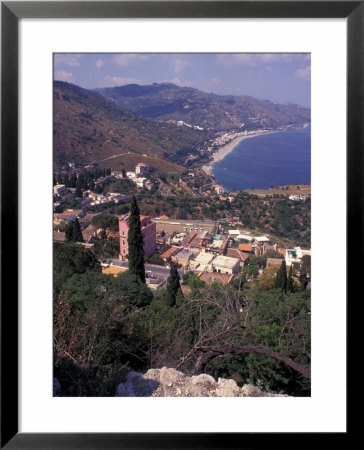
290,280
135,242
77,233
173,285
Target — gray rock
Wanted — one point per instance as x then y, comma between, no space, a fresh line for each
172,383
205,379
170,376
227,388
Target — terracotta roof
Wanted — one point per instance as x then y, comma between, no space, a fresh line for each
169,251
245,256
245,247
235,253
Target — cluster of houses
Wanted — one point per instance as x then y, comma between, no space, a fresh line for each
213,249
96,201
139,176
90,200
198,246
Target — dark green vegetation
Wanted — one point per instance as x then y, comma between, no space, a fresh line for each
166,101
105,326
89,128
135,242
73,231
69,259
286,221
173,286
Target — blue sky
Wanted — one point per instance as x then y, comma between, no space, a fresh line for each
272,76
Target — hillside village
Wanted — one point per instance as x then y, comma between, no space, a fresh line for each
215,250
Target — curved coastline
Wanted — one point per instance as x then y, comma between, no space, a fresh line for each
223,151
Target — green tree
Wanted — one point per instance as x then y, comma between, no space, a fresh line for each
71,258
99,188
267,280
281,278
273,254
105,221
135,242
69,232
173,285
306,265
290,280
76,232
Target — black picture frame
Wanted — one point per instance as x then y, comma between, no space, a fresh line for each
11,12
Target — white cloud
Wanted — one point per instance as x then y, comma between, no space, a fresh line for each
126,59
179,64
62,75
304,73
100,63
71,60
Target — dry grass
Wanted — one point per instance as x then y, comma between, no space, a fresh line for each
132,159
113,270
297,189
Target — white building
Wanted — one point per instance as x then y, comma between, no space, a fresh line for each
201,261
225,264
261,240
295,255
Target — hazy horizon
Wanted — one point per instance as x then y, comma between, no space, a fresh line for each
278,77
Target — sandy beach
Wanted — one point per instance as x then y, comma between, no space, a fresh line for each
225,150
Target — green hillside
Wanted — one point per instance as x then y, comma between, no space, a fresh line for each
166,101
89,128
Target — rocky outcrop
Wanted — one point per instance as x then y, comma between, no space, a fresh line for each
172,383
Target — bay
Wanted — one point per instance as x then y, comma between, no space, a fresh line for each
263,161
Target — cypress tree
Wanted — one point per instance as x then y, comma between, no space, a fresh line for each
69,232
173,285
290,280
135,242
77,233
78,191
281,277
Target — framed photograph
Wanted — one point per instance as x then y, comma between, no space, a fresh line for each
190,82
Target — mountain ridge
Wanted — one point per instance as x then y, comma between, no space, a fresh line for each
167,101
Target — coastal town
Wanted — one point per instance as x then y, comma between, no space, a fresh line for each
215,250
181,232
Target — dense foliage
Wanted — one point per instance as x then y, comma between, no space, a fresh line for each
286,220
105,326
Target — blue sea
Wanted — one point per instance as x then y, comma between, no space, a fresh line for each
274,159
